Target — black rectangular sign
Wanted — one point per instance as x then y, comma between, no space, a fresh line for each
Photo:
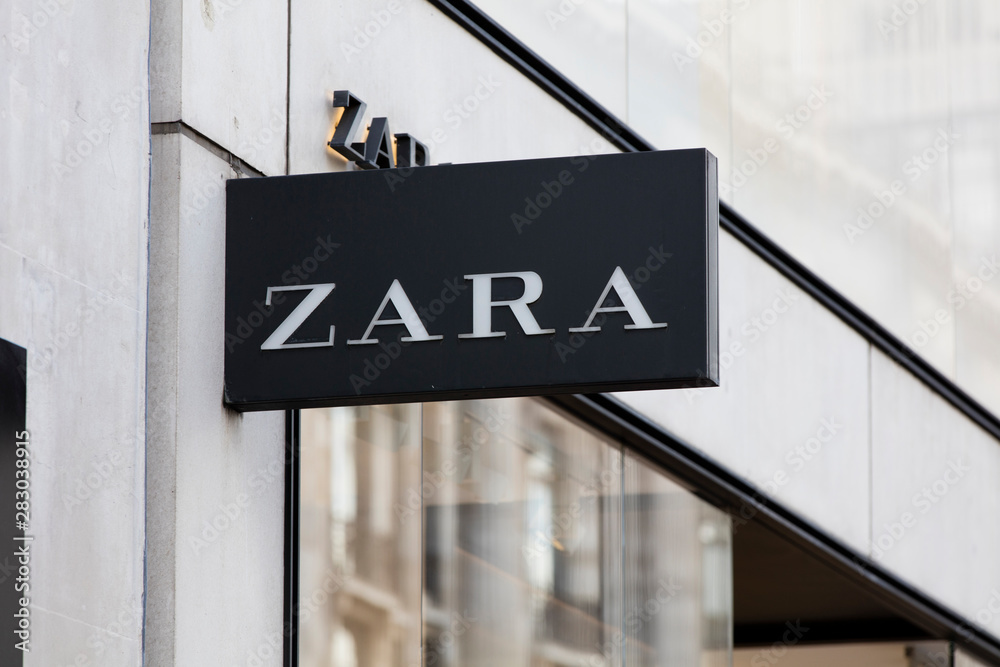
581,274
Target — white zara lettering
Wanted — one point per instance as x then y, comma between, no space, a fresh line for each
630,305
482,311
407,317
279,339
483,304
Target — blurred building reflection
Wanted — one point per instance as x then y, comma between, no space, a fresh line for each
500,533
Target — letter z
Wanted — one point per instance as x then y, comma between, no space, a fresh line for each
279,339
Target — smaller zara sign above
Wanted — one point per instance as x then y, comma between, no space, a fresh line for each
499,279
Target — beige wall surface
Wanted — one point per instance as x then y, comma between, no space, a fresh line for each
74,169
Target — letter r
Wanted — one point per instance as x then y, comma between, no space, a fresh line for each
483,304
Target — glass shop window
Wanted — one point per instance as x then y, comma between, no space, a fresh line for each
500,533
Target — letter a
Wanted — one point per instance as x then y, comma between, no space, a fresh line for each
407,317
630,305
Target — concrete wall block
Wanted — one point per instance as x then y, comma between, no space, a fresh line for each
220,474
74,136
234,64
935,500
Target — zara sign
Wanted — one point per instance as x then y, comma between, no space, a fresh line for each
517,278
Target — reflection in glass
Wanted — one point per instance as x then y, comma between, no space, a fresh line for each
523,537
500,533
360,560
678,573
